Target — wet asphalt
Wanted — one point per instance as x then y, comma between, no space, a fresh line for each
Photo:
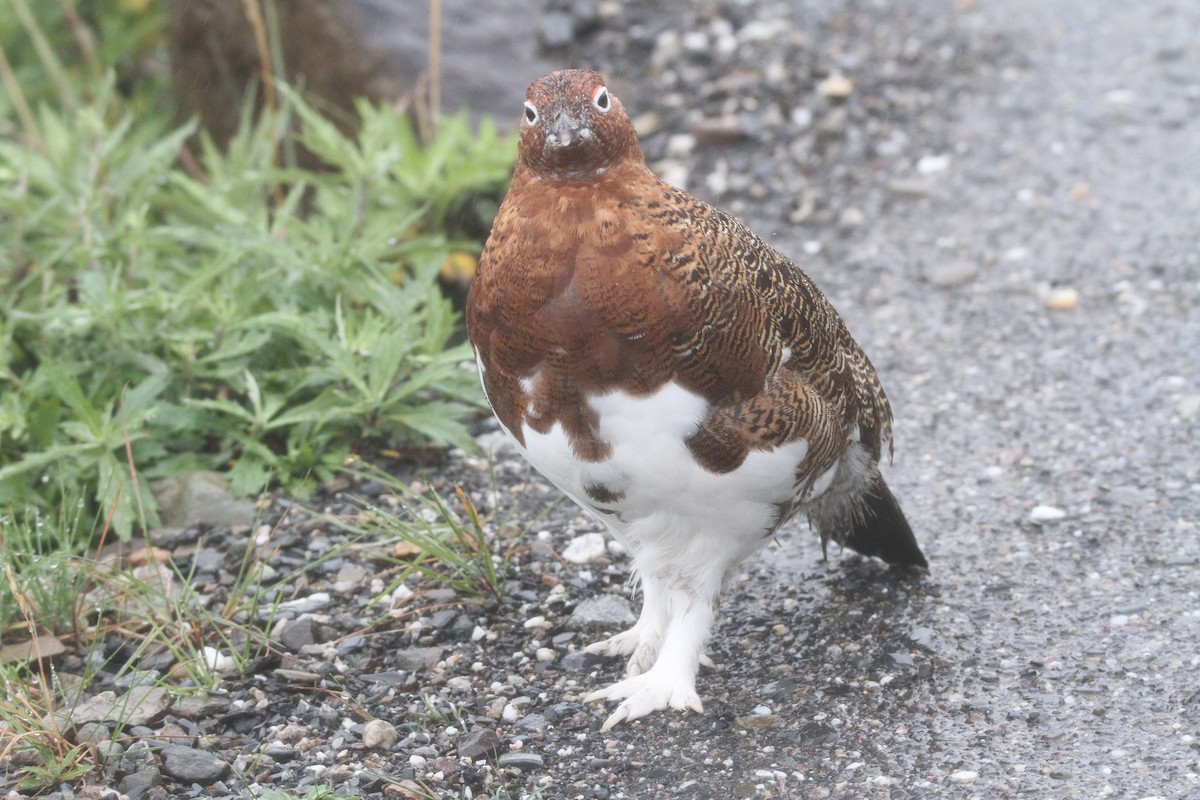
1037,326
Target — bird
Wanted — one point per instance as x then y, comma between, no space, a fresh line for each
674,375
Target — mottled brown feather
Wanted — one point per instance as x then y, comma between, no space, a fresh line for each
599,276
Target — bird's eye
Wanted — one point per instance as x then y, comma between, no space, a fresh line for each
531,115
600,99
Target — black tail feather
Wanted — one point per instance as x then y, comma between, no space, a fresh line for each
882,530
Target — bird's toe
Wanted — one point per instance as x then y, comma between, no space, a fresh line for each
647,693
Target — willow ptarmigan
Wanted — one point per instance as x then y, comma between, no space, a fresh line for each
674,375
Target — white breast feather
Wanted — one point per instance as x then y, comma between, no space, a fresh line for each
674,515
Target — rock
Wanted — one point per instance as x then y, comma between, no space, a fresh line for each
533,722
837,86
217,661
480,744
580,661
1188,407
349,578
281,753
110,752
302,631
91,733
1060,298
297,676
1042,513
922,637
585,549
849,219
909,187
647,124
417,658
950,273
42,648
717,131
560,711
606,612
137,785
189,765
380,734
520,760
668,49
761,30
555,30
963,776
931,165
200,498
758,721
141,705
307,605
198,707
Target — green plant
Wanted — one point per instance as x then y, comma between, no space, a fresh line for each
451,547
44,550
242,315
29,730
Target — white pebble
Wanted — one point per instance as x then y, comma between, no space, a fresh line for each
301,605
930,165
536,622
217,661
963,776
379,733
585,549
1042,513
546,655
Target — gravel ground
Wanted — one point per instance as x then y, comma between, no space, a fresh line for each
1001,197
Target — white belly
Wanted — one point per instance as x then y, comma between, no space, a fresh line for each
653,495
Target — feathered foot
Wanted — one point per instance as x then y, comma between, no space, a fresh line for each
671,681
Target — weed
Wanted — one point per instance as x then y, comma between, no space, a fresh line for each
245,315
453,547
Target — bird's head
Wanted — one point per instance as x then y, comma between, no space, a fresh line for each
573,128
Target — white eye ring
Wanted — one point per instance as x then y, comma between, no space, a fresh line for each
531,113
601,100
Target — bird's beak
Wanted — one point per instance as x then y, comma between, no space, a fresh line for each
565,130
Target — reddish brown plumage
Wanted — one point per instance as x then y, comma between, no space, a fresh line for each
598,276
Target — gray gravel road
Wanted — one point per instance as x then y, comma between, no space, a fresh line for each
1047,454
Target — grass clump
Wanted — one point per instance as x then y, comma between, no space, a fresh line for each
237,313
447,544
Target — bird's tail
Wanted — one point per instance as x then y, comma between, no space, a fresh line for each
881,529
859,511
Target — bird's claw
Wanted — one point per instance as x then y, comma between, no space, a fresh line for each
644,694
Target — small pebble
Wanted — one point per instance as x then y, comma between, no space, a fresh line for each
306,605
1043,513
836,85
380,734
1060,298
521,760
931,165
585,549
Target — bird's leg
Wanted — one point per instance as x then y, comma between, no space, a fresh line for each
671,681
641,642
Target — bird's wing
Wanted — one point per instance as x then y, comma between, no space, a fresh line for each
768,348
